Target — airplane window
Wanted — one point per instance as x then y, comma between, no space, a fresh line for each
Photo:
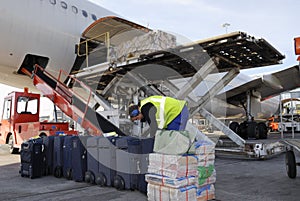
74,9
64,5
84,13
94,17
53,2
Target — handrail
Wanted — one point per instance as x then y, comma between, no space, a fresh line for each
106,40
84,86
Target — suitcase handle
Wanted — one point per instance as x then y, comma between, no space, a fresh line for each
26,145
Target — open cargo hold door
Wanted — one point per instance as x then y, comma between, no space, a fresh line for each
96,40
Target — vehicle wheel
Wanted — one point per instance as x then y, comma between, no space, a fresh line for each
262,130
234,126
290,163
243,130
119,183
11,144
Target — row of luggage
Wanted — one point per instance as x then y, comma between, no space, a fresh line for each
54,155
121,162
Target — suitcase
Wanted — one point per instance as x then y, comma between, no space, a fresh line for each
67,156
107,161
147,145
92,159
79,158
127,163
32,158
48,144
58,156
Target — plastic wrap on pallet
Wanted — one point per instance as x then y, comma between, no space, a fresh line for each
163,193
173,166
170,182
206,160
206,193
149,42
203,181
203,147
205,172
173,142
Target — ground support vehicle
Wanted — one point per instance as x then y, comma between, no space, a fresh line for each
20,120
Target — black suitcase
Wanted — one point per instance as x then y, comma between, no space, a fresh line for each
92,159
58,156
127,163
79,158
107,161
48,144
67,156
147,145
32,158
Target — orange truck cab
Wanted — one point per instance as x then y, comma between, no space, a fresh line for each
20,120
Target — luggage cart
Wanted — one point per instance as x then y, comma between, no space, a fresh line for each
290,157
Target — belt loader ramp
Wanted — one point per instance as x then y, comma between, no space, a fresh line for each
228,53
73,104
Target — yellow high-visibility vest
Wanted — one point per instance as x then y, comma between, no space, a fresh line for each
167,108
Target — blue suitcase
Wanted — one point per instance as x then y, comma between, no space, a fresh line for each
147,145
107,161
79,158
127,163
67,156
32,158
92,159
48,145
58,156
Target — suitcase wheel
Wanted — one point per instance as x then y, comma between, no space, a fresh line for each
101,180
119,183
58,172
89,177
69,174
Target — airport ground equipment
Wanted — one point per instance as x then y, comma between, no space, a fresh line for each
113,86
293,145
293,148
20,120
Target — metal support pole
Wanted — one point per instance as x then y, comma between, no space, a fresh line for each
196,79
215,89
248,106
280,113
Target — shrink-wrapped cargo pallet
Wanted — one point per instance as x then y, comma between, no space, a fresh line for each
173,166
179,158
206,193
149,42
170,182
163,193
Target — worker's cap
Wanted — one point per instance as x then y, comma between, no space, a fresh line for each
133,110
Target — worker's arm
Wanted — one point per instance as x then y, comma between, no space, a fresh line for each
149,112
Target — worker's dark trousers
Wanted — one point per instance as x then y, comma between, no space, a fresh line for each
179,123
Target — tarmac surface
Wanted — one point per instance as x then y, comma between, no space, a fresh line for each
241,180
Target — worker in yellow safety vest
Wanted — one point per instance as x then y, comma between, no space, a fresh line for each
161,112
